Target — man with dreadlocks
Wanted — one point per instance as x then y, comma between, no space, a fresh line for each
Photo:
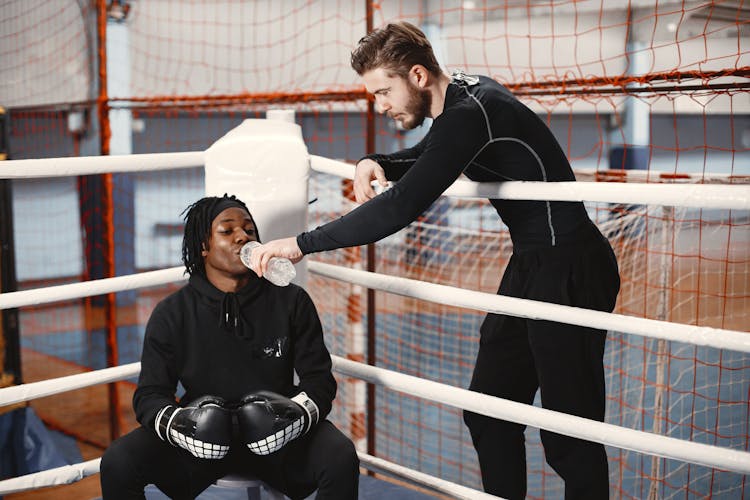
233,341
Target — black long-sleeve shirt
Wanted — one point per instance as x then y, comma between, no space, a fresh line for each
485,133
227,345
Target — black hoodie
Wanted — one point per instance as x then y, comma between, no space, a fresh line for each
227,344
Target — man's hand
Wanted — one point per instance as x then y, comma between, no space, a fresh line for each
268,421
366,172
203,427
285,247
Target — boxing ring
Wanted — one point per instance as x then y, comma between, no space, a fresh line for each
733,197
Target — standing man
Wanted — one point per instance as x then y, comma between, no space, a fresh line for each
233,341
481,130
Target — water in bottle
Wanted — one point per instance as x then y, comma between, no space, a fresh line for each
280,271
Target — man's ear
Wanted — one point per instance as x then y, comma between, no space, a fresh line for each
420,76
204,250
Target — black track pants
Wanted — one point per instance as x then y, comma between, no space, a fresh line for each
324,459
518,356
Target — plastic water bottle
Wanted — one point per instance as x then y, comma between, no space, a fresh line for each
280,271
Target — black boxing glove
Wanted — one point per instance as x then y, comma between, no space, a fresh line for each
268,421
204,427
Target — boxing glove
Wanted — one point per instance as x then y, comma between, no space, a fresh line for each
268,421
204,427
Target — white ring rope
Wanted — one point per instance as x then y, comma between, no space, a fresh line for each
66,474
376,464
561,423
678,195
441,294
683,194
533,309
87,165
90,288
33,390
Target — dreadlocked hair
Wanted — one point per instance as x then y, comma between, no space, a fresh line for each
198,219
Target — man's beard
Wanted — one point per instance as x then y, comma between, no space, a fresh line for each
417,108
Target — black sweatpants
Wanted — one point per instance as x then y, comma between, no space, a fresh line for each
324,459
517,356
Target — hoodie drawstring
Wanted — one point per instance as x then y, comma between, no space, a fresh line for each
230,312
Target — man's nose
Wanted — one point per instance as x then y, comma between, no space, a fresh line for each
382,106
241,236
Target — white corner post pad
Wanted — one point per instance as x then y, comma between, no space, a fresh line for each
310,408
265,163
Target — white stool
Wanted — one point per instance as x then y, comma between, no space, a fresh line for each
250,483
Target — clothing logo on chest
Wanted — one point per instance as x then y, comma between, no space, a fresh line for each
459,77
276,348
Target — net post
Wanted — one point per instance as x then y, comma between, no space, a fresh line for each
10,345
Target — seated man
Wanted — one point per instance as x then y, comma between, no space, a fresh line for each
233,341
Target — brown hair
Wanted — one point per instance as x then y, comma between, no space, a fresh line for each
395,47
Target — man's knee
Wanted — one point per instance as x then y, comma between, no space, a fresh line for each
496,430
118,469
346,457
115,458
334,463
582,464
341,455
